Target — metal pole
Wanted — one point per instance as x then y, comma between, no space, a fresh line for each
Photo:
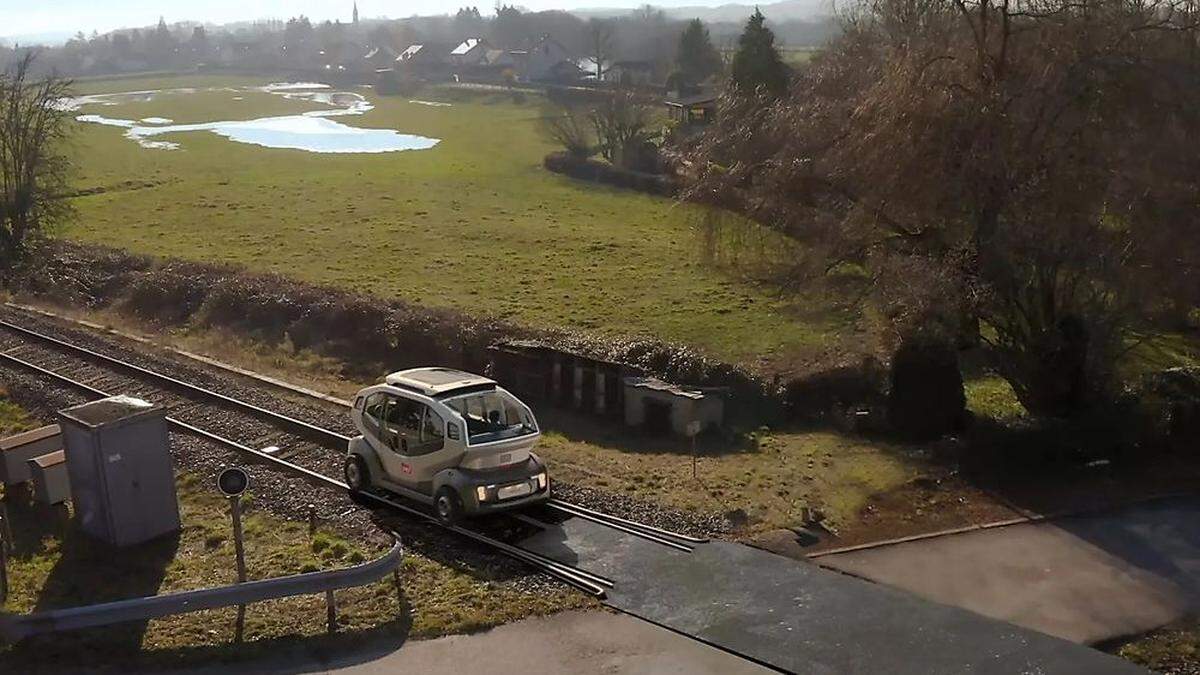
235,508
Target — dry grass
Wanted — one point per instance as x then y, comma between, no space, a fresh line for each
771,477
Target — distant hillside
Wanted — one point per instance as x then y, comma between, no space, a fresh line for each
797,23
49,38
776,12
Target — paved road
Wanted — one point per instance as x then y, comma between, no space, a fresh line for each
799,617
572,642
1084,579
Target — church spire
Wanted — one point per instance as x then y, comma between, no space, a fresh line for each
356,12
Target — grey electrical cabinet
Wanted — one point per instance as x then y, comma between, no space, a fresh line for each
119,464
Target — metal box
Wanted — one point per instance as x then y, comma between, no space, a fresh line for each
49,475
16,451
119,464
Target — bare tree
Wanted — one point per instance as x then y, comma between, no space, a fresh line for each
622,126
33,127
601,44
570,127
1030,165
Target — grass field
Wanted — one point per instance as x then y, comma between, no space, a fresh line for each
474,223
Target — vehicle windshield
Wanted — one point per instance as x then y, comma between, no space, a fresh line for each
493,416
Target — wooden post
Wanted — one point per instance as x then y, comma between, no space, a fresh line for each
693,430
312,520
399,588
6,535
330,611
3,558
235,507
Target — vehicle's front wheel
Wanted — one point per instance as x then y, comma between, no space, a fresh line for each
449,506
356,475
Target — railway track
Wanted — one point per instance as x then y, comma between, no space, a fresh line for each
285,442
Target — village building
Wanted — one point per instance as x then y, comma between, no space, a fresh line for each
381,59
630,73
692,109
470,52
425,61
546,61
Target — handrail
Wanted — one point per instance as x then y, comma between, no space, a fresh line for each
15,627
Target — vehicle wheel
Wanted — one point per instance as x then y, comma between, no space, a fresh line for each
357,478
449,506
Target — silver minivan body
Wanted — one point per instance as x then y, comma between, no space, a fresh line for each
469,436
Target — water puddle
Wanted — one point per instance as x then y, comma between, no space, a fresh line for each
312,131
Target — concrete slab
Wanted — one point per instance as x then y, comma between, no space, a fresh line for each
798,617
571,642
1086,579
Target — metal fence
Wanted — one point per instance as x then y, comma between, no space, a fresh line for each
15,627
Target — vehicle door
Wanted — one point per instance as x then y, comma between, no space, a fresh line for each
402,433
428,451
377,434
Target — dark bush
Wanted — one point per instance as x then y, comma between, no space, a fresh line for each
1168,403
603,172
926,400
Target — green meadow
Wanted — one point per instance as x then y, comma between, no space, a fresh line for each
475,223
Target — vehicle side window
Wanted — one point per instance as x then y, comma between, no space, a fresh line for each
373,412
433,432
404,417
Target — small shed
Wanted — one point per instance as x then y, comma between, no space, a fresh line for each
662,407
693,109
542,372
119,465
51,484
16,451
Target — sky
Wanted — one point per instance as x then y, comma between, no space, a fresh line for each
28,18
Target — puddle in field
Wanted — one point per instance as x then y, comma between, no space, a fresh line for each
312,131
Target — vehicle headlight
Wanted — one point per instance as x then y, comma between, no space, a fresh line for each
481,493
542,480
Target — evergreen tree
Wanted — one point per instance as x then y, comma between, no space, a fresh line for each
696,58
756,62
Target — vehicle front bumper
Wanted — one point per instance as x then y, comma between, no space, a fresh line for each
494,481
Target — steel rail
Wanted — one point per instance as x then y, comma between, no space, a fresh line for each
600,516
628,530
589,582
306,428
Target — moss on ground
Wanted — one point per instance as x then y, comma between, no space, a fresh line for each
1172,650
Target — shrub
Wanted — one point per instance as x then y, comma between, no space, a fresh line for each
927,399
1168,403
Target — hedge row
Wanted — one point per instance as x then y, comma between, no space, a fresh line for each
603,172
371,335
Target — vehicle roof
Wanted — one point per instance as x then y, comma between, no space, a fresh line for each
436,381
